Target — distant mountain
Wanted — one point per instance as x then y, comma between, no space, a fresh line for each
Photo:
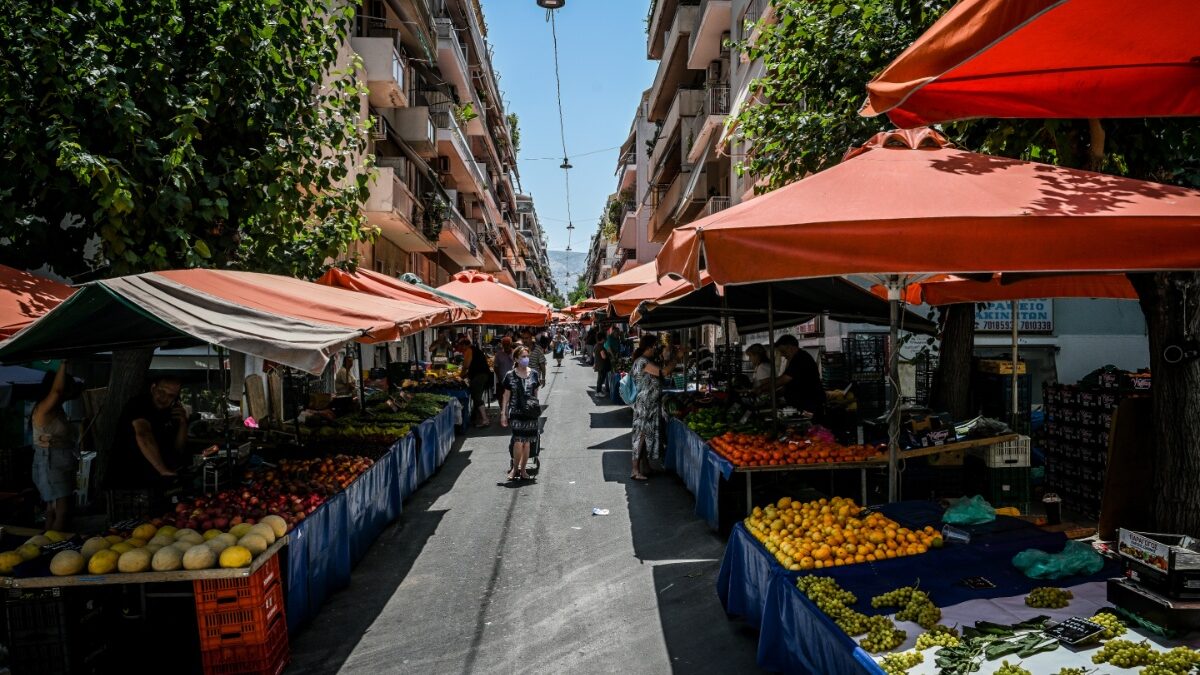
565,267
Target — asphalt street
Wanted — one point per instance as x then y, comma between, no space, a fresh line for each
480,576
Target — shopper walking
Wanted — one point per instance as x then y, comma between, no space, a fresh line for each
520,410
602,360
502,362
649,368
475,366
537,355
54,446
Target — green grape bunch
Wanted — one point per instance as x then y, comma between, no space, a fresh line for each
883,635
1049,597
1011,669
901,662
1178,661
1073,671
915,606
932,639
1113,627
1125,654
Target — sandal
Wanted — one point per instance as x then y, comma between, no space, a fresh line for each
638,476
525,476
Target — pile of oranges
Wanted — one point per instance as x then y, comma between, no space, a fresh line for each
832,533
755,450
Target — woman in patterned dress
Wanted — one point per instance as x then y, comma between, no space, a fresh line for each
520,386
649,370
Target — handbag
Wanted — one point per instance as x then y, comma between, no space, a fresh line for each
628,388
526,407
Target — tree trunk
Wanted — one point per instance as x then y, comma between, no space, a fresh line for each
952,382
127,378
1171,303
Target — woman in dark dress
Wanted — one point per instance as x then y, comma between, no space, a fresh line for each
520,409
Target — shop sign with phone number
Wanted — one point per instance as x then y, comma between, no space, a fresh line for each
1036,316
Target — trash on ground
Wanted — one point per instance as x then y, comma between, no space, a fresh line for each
599,512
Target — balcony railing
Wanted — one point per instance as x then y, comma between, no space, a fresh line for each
715,204
716,100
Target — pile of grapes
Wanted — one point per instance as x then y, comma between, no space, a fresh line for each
899,663
1112,625
882,635
938,636
914,606
835,601
1011,669
1049,598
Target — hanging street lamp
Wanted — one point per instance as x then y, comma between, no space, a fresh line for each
551,4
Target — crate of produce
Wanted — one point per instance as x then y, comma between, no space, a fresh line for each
215,595
56,630
269,657
1014,453
1168,563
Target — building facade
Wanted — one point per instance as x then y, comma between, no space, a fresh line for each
444,194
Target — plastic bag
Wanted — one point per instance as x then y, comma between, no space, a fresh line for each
969,511
628,388
1075,558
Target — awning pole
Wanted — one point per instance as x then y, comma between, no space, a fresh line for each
1015,362
771,340
893,289
362,395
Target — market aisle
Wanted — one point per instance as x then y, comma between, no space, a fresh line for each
477,577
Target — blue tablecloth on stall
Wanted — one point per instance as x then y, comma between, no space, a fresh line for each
372,501
701,469
318,559
794,636
406,465
463,396
444,423
435,438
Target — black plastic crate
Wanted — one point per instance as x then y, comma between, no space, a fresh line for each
1007,486
57,630
16,467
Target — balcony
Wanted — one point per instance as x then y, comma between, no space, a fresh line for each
673,66
715,205
385,70
415,127
395,211
453,143
666,197
708,125
626,171
458,241
628,227
686,104
705,43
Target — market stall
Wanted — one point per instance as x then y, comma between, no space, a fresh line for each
499,304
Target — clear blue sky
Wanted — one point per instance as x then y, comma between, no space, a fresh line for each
603,66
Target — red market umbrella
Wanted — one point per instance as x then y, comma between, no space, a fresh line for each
949,289
374,283
1046,59
500,305
908,203
625,281
625,302
25,297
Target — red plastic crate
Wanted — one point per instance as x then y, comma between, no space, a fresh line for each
267,658
240,625
245,592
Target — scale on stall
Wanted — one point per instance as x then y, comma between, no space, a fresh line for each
217,464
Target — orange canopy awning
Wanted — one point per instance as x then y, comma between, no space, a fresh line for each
627,280
949,289
374,283
24,297
1046,59
500,305
624,303
588,304
908,203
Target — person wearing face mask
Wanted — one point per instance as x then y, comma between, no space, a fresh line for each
520,410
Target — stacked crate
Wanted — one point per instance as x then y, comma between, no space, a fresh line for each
866,357
1001,473
57,630
1075,439
243,626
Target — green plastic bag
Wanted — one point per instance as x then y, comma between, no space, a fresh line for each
1075,558
969,511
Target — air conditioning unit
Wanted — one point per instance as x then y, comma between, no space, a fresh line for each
441,164
714,71
378,128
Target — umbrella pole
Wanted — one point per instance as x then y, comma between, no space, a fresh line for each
362,396
893,288
1015,362
771,340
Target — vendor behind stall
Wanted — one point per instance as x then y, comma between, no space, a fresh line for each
441,349
150,437
344,382
800,382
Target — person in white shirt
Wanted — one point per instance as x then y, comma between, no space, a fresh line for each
344,382
760,376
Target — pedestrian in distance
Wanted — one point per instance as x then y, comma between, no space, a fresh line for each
560,350
502,363
650,366
520,410
54,446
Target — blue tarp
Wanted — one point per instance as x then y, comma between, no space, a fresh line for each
796,637
324,547
701,469
463,396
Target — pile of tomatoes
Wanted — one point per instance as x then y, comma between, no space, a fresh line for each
756,450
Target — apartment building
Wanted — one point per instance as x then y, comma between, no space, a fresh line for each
444,195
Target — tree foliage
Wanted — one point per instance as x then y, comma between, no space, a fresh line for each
162,134
580,292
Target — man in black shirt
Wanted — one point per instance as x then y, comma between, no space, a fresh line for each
150,438
801,379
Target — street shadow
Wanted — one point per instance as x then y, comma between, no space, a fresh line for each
620,418
622,442
388,561
685,555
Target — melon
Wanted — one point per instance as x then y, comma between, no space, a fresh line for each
28,551
92,545
145,531
39,540
135,542
216,545
240,529
265,532
161,540
209,534
199,557
66,563
181,546
277,524
168,531
236,556
191,537
103,562
229,539
137,560
122,547
254,543
153,548
114,539
9,560
54,536
167,559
